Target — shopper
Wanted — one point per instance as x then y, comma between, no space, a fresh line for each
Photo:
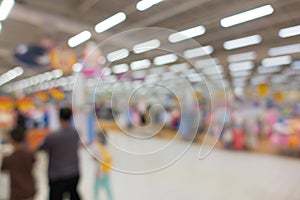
103,167
62,147
19,166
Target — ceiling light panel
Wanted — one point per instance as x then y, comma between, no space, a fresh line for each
241,66
247,16
268,70
146,4
187,34
242,42
284,50
110,22
121,68
140,64
117,55
79,38
5,8
289,32
275,61
251,55
180,67
240,73
165,59
197,52
296,65
146,46
207,62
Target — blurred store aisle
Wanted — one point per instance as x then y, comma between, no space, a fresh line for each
224,175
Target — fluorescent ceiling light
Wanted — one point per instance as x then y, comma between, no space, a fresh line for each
242,42
165,59
146,46
278,79
195,77
217,76
79,38
77,67
146,4
110,22
139,74
207,62
190,71
289,32
5,8
296,65
57,73
197,52
240,73
121,68
11,74
117,55
251,55
275,61
187,34
247,16
259,79
151,78
241,66
140,64
240,79
213,70
158,70
180,67
284,50
268,70
106,71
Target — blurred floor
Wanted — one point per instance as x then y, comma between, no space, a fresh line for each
224,175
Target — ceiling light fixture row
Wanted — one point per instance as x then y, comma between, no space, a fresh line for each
37,79
10,75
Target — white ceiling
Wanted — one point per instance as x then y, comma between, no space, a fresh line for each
32,19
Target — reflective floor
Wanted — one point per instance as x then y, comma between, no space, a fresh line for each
224,175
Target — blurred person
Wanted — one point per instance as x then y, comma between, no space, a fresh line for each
62,148
103,167
271,116
19,165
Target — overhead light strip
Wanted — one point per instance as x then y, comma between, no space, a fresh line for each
247,16
284,50
120,68
197,52
146,4
242,42
5,8
289,32
251,55
10,75
276,61
165,59
187,34
146,46
38,79
241,66
140,64
117,55
79,38
110,22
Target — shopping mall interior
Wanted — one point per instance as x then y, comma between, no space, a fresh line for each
149,99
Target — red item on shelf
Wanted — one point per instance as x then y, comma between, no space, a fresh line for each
238,139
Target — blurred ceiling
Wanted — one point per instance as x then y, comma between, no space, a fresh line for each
30,20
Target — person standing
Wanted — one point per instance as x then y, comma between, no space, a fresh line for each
62,148
103,168
19,165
